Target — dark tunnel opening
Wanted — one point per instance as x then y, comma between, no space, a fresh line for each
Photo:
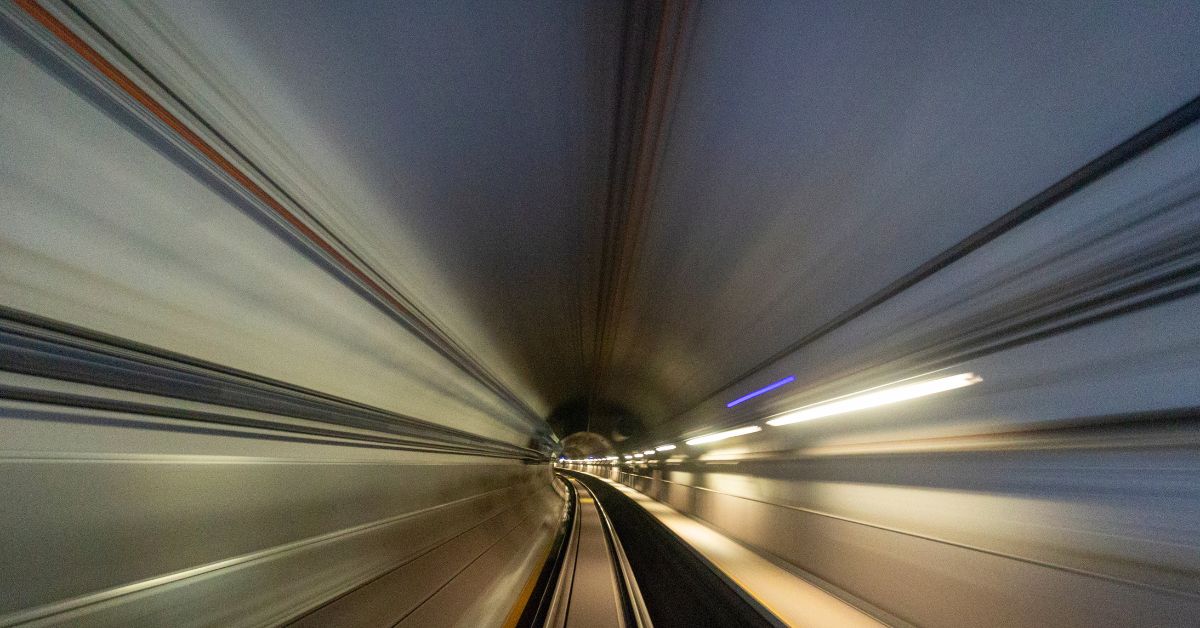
599,313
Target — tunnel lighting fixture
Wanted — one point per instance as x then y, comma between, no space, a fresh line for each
664,448
765,389
875,397
628,457
648,452
639,455
712,438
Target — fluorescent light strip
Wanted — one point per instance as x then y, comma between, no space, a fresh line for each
873,398
639,455
664,448
648,452
712,438
765,389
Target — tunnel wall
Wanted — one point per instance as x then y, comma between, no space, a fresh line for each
1044,531
1059,490
119,519
204,420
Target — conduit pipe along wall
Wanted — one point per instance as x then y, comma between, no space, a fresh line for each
1057,489
210,414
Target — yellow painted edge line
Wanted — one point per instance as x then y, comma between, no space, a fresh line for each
750,593
514,615
523,599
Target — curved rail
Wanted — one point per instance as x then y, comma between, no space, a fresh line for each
593,582
681,588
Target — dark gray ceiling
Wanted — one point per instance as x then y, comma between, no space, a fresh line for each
807,155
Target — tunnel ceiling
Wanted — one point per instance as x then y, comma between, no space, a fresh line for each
637,205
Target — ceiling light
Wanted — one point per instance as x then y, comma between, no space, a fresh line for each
873,397
712,438
664,448
765,389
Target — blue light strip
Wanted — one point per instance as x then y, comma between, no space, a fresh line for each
765,389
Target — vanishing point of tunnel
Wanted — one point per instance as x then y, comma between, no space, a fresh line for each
599,313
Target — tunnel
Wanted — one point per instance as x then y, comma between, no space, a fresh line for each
611,313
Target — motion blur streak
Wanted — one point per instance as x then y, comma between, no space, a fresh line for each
762,391
302,303
720,436
864,400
